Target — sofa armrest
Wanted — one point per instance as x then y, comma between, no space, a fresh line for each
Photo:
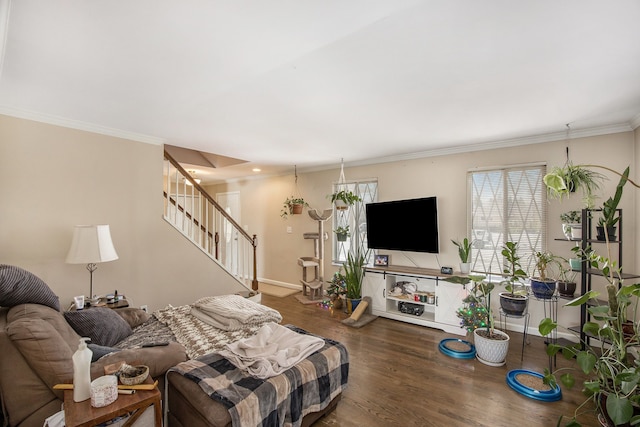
158,359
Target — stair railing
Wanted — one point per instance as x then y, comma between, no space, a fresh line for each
193,212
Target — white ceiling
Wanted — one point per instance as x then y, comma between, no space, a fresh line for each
306,83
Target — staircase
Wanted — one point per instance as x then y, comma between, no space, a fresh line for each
195,214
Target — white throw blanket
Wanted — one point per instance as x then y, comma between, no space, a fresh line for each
233,312
271,351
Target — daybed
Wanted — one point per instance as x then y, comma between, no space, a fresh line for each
37,344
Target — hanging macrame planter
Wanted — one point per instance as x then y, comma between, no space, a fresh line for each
343,198
295,204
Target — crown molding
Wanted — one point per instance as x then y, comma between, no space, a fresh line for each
635,122
506,143
79,125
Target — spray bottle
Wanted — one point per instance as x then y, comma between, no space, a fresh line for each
82,371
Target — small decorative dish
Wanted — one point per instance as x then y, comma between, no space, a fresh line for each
133,375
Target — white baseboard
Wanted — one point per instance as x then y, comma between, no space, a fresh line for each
277,283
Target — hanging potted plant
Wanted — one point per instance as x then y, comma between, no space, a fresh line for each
293,206
476,315
344,198
353,275
543,286
342,233
572,225
515,300
464,252
562,181
606,229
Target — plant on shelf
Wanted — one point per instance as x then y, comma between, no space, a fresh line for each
293,206
342,233
464,252
566,280
609,218
477,316
344,198
613,382
543,286
515,300
571,227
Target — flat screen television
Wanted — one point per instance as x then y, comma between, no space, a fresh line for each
403,225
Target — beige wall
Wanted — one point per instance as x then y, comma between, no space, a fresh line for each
52,178
444,177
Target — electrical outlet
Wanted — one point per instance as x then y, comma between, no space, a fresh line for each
289,230
145,308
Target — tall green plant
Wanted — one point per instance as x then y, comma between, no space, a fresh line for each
354,273
609,207
613,382
514,274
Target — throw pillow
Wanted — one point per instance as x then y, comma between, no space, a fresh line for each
18,286
134,316
103,325
97,351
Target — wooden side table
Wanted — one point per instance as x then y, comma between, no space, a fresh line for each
82,414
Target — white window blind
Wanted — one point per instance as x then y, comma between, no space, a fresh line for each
506,204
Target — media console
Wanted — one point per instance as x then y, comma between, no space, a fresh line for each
438,312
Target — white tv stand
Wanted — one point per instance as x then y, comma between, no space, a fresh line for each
441,314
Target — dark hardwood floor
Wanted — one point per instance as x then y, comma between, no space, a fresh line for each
398,377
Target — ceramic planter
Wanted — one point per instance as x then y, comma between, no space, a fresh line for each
341,237
513,305
611,231
492,352
296,209
543,289
465,267
576,231
566,289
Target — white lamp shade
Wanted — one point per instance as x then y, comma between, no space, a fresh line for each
91,244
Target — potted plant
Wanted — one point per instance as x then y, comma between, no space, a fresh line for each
353,275
492,345
293,206
562,181
337,289
572,224
606,229
543,286
464,252
342,233
515,300
566,282
344,198
613,382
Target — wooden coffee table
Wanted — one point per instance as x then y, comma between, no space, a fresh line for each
82,414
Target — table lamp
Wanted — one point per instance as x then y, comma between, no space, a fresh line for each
91,244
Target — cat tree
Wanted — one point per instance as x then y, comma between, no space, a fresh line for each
313,287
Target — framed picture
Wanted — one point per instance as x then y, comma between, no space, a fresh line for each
381,260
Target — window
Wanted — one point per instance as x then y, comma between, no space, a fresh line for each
506,204
354,217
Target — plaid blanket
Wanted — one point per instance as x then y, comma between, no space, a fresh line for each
282,400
